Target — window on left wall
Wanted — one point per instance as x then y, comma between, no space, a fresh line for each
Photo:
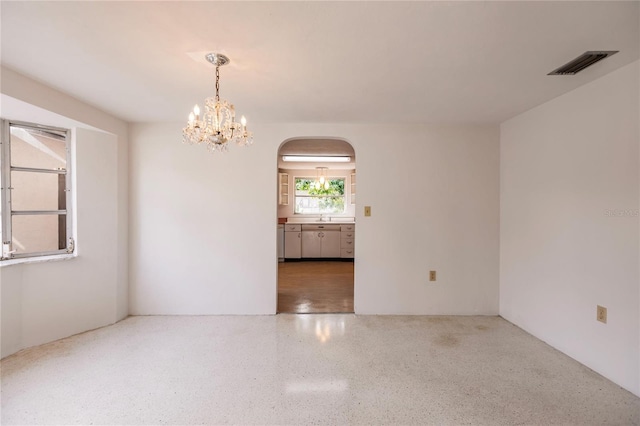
36,191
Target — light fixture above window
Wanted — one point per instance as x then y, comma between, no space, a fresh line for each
321,178
217,126
316,158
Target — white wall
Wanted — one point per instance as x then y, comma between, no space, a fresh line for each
203,226
567,166
41,302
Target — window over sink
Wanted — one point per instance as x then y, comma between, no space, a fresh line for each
313,198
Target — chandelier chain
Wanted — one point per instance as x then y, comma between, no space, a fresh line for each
217,84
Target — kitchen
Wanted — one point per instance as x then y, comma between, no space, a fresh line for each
316,225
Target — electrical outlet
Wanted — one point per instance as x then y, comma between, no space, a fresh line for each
601,314
432,275
367,210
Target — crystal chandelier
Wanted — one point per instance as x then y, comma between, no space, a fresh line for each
217,126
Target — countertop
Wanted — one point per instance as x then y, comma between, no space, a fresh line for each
314,221
320,223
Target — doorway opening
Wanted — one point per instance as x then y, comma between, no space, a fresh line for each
316,226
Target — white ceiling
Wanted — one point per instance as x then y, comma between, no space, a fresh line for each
446,62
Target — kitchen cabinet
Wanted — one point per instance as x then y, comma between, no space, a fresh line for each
330,244
283,189
352,192
311,243
320,241
292,241
347,241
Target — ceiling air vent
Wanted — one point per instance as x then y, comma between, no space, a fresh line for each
583,61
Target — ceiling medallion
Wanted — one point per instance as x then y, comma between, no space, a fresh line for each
217,126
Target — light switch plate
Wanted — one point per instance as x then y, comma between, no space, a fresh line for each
601,314
367,210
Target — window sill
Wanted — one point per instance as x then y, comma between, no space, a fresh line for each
38,259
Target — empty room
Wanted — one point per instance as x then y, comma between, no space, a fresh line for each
292,213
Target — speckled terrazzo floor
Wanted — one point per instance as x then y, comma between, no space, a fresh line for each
307,369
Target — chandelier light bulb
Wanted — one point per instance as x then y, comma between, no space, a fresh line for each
196,110
191,119
243,121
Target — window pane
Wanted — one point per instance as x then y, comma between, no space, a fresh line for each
317,205
307,186
38,233
37,191
37,149
313,197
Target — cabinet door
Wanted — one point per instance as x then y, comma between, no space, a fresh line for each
292,245
330,244
311,243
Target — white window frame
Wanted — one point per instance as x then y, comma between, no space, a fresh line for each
295,195
5,191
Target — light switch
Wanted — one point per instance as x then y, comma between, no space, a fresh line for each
601,314
367,210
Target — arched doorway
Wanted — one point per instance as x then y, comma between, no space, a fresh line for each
316,225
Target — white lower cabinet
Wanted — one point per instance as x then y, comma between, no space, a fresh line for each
292,242
311,243
347,241
320,241
330,244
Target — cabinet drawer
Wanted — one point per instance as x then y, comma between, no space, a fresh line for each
350,227
347,243
291,228
320,227
348,234
347,253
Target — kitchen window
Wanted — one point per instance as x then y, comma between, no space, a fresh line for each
35,190
311,197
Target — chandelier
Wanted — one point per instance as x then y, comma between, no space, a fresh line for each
217,126
321,178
